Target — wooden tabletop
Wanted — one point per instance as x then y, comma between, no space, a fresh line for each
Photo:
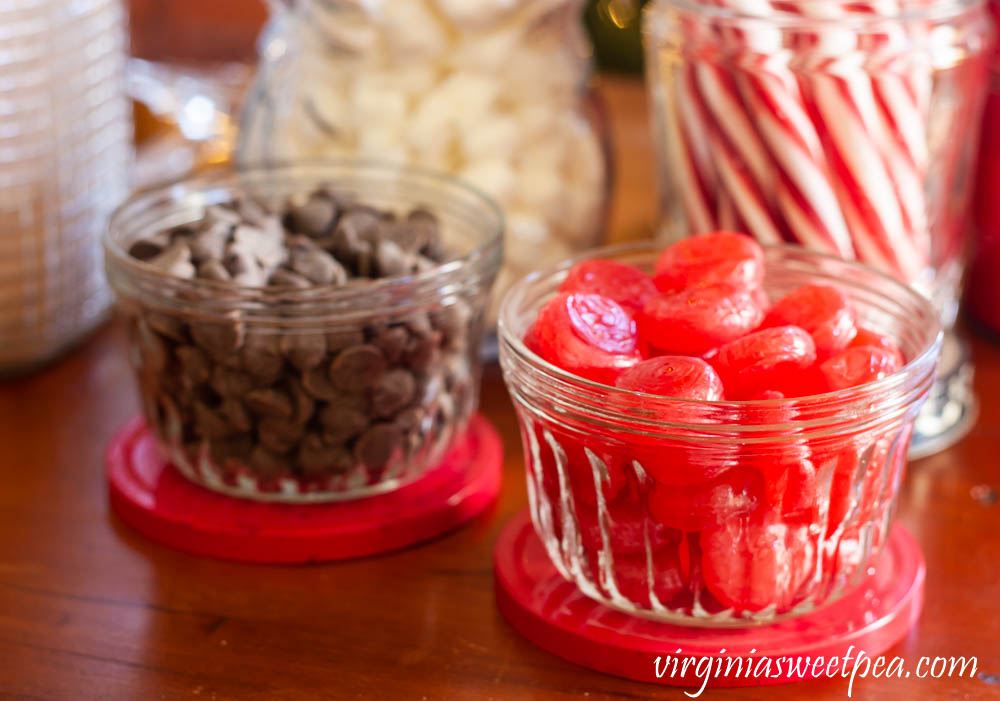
90,610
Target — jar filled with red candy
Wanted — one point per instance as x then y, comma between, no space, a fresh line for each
715,433
850,128
984,285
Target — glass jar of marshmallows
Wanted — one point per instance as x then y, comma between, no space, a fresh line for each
491,91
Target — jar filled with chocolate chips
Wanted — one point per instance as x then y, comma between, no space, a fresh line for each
307,332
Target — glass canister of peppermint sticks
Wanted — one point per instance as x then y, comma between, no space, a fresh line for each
849,127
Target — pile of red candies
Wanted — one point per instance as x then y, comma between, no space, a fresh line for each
683,525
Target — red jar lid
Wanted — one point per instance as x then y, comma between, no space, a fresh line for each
555,615
152,497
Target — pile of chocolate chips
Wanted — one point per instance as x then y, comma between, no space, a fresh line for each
307,403
325,239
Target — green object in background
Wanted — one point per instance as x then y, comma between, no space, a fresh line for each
614,30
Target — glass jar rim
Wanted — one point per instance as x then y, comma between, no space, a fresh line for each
934,10
222,296
918,371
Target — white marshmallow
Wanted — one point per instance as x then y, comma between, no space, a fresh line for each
584,159
409,26
494,176
496,137
474,14
382,143
344,30
378,107
485,51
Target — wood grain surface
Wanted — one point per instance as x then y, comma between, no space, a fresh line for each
90,610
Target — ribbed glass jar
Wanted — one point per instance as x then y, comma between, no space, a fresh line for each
65,153
765,509
200,347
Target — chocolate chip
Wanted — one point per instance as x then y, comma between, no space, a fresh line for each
214,270
361,222
304,350
375,447
419,323
318,384
243,267
209,244
145,249
393,391
319,267
282,277
341,423
270,402
303,405
231,383
365,264
410,419
393,342
453,322
423,264
175,260
219,339
152,349
316,459
423,351
356,368
429,228
267,463
315,217
250,210
456,372
351,242
342,338
279,435
391,260
220,214
232,451
237,414
233,362
298,244
194,364
167,325
264,242
262,357
209,423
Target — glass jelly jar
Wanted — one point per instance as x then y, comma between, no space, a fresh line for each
719,513
202,348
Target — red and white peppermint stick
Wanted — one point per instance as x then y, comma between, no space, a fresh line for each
866,189
901,85
688,156
763,122
742,163
832,155
878,184
805,196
